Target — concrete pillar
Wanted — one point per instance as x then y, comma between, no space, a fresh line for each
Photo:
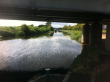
85,34
95,34
107,42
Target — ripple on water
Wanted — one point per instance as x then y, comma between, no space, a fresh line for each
35,54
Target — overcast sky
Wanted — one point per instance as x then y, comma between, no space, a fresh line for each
35,23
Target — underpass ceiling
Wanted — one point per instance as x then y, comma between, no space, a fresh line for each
52,15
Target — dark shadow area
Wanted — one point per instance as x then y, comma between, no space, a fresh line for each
24,76
101,72
16,76
53,78
26,37
74,77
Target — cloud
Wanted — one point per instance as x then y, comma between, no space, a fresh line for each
35,23
57,24
19,22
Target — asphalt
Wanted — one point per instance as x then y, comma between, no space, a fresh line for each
52,78
60,78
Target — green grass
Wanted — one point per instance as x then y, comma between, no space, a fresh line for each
85,62
103,31
75,35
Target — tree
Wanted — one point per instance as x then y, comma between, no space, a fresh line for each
48,24
25,29
31,25
41,25
65,27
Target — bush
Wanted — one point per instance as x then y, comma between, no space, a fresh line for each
20,33
75,35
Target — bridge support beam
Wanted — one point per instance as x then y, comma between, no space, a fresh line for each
95,33
85,34
107,42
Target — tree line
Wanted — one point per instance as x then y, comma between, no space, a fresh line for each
24,30
77,27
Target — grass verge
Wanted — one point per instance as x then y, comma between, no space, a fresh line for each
75,35
103,31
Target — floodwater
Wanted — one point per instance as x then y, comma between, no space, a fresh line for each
33,54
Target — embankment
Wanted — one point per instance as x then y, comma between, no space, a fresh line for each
75,35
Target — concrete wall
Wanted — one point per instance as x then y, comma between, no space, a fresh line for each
95,34
107,42
80,5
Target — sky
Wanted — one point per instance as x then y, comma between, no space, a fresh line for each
35,23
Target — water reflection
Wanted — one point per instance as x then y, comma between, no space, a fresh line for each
26,37
65,33
38,53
